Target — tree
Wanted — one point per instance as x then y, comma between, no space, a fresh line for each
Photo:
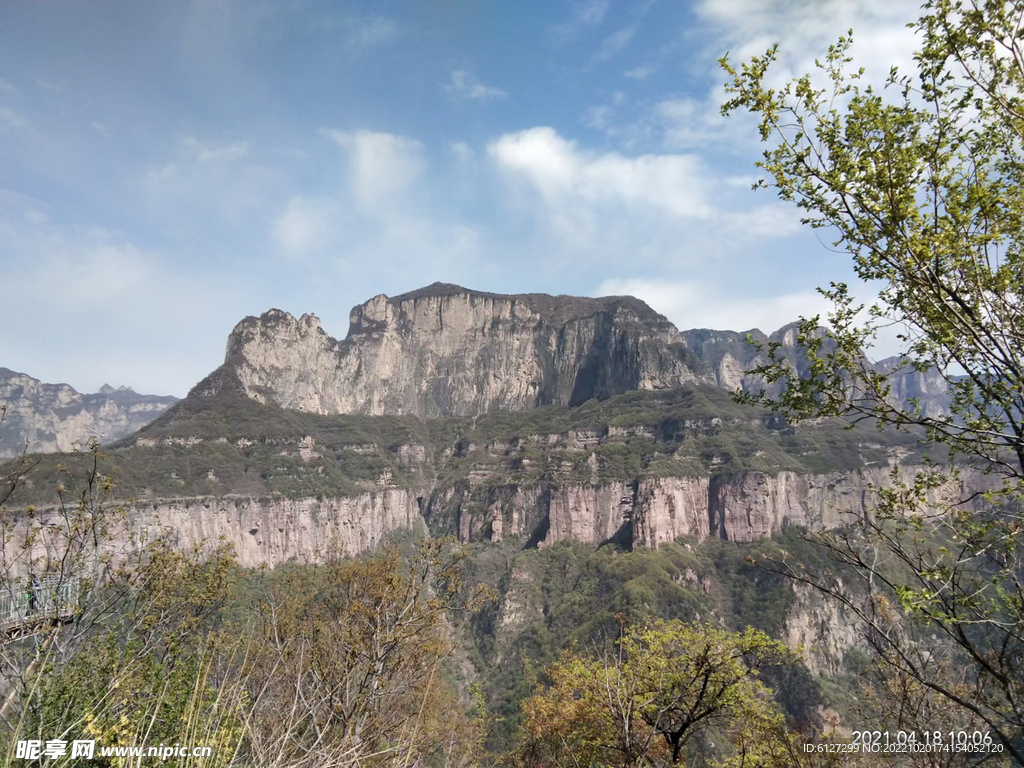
127,655
666,684
334,664
348,662
922,183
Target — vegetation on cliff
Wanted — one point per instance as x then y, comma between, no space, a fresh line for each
415,653
234,445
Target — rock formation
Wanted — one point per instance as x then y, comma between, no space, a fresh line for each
54,417
671,457
929,388
445,350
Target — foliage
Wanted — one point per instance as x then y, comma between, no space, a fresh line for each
349,658
568,595
922,184
335,665
642,702
232,445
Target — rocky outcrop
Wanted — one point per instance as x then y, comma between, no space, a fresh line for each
55,417
649,512
261,531
667,508
822,628
445,350
727,356
930,389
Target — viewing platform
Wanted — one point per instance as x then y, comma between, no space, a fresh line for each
24,609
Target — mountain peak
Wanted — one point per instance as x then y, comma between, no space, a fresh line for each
445,350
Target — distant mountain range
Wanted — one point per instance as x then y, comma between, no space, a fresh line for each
56,417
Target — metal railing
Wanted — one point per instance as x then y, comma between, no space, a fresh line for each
52,598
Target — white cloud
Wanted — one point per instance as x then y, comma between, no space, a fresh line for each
562,172
370,32
384,166
465,85
585,13
691,304
206,153
745,28
614,43
103,268
80,269
206,182
461,151
104,306
771,220
641,72
805,30
600,117
584,208
305,226
11,120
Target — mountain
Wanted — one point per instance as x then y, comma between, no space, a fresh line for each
533,417
444,350
590,455
55,417
929,389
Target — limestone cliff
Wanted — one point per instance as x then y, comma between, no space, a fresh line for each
929,388
261,531
55,417
649,512
726,356
445,350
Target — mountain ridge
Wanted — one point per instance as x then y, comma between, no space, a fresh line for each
445,350
45,417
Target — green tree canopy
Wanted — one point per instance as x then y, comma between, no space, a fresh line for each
922,183
642,703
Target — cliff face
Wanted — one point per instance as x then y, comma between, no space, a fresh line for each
929,388
446,350
646,513
55,417
261,531
650,512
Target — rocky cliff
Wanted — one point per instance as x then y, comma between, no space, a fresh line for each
726,356
929,389
545,418
639,469
445,350
261,531
645,513
55,417
649,512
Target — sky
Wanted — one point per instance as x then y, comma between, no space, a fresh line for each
168,168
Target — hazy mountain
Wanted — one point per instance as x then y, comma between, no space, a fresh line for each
55,417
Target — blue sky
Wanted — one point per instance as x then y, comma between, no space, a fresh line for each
168,168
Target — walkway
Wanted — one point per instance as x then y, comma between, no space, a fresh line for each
56,601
